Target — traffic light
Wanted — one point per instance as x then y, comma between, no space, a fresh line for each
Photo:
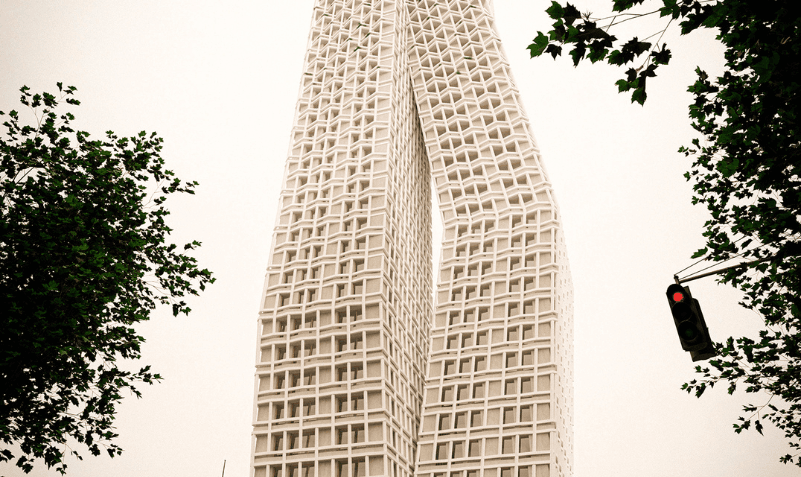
690,324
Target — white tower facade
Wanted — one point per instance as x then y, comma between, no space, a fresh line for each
360,371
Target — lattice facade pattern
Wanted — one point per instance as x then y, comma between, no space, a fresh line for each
358,373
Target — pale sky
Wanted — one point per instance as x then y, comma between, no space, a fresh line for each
219,81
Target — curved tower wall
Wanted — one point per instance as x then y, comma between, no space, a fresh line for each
498,390
359,371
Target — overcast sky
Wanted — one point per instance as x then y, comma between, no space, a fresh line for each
219,81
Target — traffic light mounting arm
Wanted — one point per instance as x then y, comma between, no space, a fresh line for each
715,272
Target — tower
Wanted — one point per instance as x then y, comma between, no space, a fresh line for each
360,372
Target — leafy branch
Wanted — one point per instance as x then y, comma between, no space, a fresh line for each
79,247
746,171
590,39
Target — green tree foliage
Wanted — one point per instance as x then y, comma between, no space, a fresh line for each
83,258
746,172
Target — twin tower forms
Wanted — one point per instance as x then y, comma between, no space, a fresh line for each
364,369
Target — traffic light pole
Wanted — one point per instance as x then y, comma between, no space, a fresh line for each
696,277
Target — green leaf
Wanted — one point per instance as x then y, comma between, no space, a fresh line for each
700,252
670,8
639,96
538,46
570,14
555,11
554,50
661,57
623,5
577,53
622,85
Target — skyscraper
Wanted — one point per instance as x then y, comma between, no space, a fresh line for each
360,371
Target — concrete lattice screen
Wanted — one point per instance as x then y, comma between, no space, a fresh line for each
359,374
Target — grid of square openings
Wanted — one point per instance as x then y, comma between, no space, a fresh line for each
346,311
353,237
496,331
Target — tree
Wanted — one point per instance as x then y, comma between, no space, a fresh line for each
746,172
83,258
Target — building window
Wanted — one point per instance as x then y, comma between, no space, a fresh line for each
292,440
311,322
309,439
511,334
453,341
460,421
447,394
526,414
311,347
477,419
525,443
444,422
464,366
528,332
356,342
450,368
511,387
309,377
358,402
358,434
528,358
359,468
309,407
342,435
357,371
458,450
442,451
342,403
508,446
474,450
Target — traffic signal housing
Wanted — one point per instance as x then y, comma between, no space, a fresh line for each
690,324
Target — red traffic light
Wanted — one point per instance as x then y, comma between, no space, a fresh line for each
689,321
